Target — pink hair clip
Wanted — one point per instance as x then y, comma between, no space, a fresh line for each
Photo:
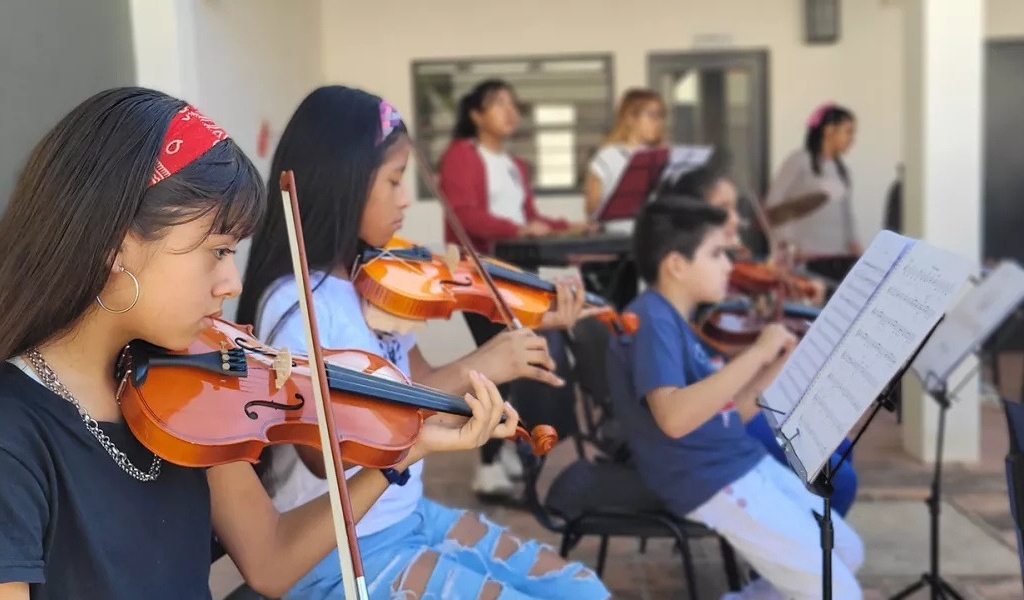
389,120
819,113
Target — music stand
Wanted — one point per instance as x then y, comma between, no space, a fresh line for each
854,356
646,169
981,312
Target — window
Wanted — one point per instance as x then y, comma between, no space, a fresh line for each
566,105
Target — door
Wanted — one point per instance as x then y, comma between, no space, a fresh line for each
1004,150
719,98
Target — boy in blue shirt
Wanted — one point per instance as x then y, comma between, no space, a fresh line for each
684,416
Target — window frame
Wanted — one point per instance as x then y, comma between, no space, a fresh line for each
466,63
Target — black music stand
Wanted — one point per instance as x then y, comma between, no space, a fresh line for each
822,484
645,171
940,588
937,389
638,180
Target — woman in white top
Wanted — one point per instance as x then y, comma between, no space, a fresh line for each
818,167
349,151
639,123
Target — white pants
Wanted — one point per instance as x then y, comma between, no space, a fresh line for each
767,517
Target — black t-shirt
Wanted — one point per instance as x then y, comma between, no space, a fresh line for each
73,524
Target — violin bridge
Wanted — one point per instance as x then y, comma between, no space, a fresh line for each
282,368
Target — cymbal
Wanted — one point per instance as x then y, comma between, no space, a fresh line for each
797,207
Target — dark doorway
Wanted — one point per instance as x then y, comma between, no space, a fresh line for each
1004,150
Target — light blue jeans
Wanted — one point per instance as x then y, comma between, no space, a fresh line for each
461,572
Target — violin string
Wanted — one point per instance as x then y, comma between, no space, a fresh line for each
453,221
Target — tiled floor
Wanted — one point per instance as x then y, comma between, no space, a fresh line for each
976,523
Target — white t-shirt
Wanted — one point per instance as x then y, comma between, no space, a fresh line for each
830,228
506,194
339,314
608,165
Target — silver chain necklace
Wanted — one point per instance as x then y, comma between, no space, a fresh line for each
54,384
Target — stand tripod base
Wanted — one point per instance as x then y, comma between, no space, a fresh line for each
939,587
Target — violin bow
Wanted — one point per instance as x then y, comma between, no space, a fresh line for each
353,579
766,226
460,233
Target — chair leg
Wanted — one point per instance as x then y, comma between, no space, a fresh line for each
563,550
602,554
732,572
643,545
688,570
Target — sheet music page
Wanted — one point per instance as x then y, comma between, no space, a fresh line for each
835,319
970,323
897,318
683,159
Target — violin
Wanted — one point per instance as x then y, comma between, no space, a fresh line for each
409,283
731,326
228,396
757,277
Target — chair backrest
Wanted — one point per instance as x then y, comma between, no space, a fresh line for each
532,467
588,343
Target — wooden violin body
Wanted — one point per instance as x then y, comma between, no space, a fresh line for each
414,284
758,277
732,326
229,396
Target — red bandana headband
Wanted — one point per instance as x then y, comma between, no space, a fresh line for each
189,136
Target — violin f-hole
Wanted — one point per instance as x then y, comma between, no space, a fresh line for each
270,404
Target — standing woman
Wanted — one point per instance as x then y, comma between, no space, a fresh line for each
489,192
639,123
819,167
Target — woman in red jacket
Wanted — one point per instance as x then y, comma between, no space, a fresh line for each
489,191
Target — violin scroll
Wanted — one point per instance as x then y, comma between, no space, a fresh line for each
541,438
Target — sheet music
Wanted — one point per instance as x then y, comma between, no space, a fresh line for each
835,319
970,323
913,296
683,159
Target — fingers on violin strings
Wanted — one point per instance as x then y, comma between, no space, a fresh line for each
508,428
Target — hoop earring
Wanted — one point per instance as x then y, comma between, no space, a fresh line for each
138,291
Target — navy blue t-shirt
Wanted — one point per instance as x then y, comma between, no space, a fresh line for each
666,352
74,525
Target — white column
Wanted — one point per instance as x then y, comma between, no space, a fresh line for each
164,39
942,110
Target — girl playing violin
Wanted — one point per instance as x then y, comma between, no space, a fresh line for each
349,151
122,227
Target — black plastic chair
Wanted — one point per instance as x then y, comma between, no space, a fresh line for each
588,343
606,500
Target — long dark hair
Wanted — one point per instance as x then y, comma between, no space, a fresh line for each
333,145
831,114
475,101
84,187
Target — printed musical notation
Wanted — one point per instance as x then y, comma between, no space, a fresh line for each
898,291
970,323
835,320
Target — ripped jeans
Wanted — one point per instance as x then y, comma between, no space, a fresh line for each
440,552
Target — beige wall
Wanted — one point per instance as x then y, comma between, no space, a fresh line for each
863,71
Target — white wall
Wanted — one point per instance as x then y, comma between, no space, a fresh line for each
863,71
239,62
1004,18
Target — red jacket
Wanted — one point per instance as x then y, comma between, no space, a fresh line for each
462,178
